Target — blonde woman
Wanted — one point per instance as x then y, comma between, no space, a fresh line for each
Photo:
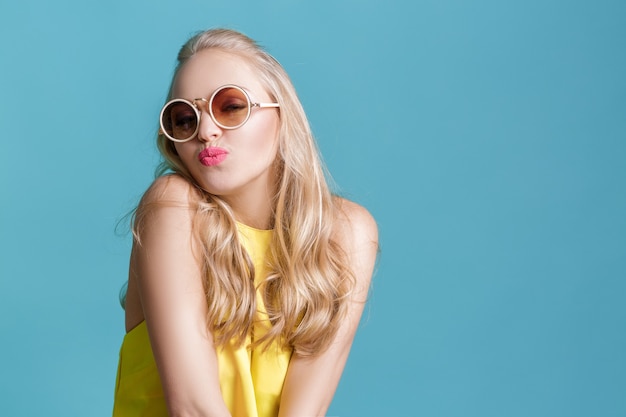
247,276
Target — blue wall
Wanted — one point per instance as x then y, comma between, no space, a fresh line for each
488,138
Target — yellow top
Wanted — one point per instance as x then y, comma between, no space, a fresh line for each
251,381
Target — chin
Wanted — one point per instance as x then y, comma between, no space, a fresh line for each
216,189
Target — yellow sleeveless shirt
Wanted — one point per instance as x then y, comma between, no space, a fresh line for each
251,381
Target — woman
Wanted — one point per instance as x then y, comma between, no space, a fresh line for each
247,277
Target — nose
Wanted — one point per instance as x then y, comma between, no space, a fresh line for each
208,131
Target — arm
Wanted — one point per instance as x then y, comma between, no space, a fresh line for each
166,269
311,382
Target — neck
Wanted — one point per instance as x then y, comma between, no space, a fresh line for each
253,209
253,203
256,217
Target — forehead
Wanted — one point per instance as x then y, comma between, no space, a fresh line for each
209,69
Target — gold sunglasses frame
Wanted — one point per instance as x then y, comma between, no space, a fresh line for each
209,102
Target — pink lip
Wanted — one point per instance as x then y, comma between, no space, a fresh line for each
212,156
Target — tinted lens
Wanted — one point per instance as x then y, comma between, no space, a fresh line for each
179,120
230,107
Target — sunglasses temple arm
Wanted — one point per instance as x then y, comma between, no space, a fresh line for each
262,105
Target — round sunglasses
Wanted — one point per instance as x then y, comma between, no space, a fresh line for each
229,107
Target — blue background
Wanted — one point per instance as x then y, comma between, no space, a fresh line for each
488,138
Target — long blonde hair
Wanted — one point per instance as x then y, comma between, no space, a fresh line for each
306,293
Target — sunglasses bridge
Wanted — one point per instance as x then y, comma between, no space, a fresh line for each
252,104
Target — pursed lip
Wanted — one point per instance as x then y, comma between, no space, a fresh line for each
212,156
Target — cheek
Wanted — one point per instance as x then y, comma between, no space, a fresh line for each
267,137
181,149
184,152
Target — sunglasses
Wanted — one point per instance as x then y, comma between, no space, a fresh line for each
229,107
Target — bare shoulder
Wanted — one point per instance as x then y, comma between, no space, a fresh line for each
169,188
357,234
355,226
162,226
167,207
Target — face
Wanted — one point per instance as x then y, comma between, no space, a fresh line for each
237,164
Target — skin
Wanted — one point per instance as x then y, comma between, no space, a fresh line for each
245,179
165,280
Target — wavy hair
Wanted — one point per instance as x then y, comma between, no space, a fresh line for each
306,292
